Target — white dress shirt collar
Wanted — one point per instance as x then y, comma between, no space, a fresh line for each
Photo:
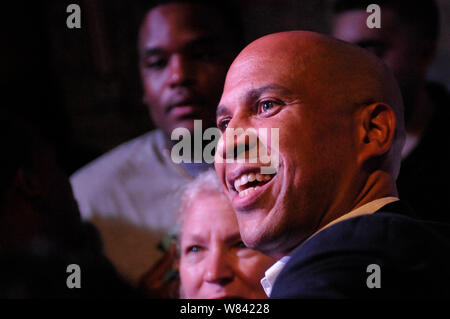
272,273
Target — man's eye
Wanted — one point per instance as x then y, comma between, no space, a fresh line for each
223,124
155,64
203,53
268,107
204,56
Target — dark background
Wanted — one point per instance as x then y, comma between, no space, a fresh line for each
83,84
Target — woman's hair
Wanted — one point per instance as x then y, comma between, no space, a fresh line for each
205,184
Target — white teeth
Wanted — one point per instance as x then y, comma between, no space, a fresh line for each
237,183
259,177
248,178
245,192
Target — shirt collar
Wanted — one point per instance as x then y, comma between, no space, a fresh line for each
366,209
272,273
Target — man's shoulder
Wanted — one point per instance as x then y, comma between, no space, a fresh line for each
394,234
109,164
110,174
333,264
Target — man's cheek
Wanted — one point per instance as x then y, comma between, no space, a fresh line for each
220,170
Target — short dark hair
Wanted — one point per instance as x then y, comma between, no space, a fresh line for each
227,10
423,15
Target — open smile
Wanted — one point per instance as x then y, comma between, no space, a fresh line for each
248,186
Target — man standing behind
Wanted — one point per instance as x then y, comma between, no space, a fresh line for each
185,48
331,209
406,42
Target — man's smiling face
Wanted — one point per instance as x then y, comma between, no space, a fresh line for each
271,86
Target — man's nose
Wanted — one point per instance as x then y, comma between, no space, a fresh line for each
180,72
238,143
219,268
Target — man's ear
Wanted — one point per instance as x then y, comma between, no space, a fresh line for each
28,183
376,131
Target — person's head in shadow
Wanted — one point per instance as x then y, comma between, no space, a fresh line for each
36,198
214,261
41,231
406,39
185,49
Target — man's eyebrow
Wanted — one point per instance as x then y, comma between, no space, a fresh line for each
203,40
222,110
254,94
151,51
197,42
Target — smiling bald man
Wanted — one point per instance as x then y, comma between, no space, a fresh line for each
331,212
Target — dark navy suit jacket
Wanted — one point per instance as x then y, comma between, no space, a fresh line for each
413,255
